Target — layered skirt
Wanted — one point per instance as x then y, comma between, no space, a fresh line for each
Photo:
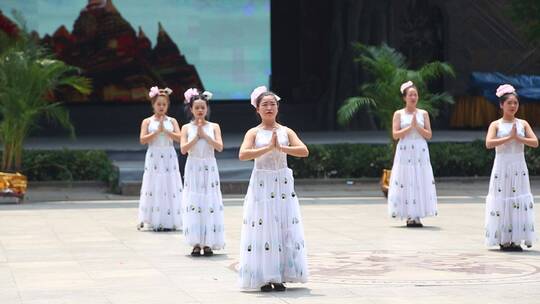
272,246
412,193
161,191
509,203
203,204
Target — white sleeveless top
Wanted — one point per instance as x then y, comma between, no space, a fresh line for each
512,146
273,160
161,140
201,149
405,120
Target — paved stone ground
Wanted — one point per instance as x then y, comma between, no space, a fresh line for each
88,251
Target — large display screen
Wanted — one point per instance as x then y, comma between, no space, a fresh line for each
126,46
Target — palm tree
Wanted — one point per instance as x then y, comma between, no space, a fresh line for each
29,77
388,69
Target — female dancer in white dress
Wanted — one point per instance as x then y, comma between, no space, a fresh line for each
203,206
272,249
161,190
509,203
411,193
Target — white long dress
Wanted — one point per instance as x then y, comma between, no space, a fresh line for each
509,203
203,205
161,191
412,193
272,247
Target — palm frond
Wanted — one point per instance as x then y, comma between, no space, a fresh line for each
388,69
55,112
351,106
441,98
436,69
28,78
81,84
392,55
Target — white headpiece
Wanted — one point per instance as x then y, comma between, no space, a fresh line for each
257,92
405,86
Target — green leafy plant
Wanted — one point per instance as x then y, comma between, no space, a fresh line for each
29,77
363,160
388,70
68,165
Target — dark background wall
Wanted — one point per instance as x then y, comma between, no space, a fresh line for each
312,59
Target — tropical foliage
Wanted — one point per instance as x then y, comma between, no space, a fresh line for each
388,69
29,78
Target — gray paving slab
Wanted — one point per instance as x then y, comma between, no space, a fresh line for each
90,252
464,189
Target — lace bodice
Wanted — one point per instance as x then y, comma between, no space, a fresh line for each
161,140
512,146
273,160
406,120
201,149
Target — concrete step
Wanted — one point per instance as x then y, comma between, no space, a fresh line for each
139,154
133,188
234,173
229,169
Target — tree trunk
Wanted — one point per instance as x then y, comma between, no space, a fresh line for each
12,155
7,159
18,156
5,156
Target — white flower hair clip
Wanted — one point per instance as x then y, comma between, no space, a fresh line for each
505,89
405,86
257,92
208,95
155,91
167,91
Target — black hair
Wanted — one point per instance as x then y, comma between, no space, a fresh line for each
163,94
268,93
505,97
189,105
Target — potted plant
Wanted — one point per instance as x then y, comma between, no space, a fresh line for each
388,69
29,77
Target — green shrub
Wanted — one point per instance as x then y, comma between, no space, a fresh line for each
68,165
342,160
533,161
364,160
461,159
